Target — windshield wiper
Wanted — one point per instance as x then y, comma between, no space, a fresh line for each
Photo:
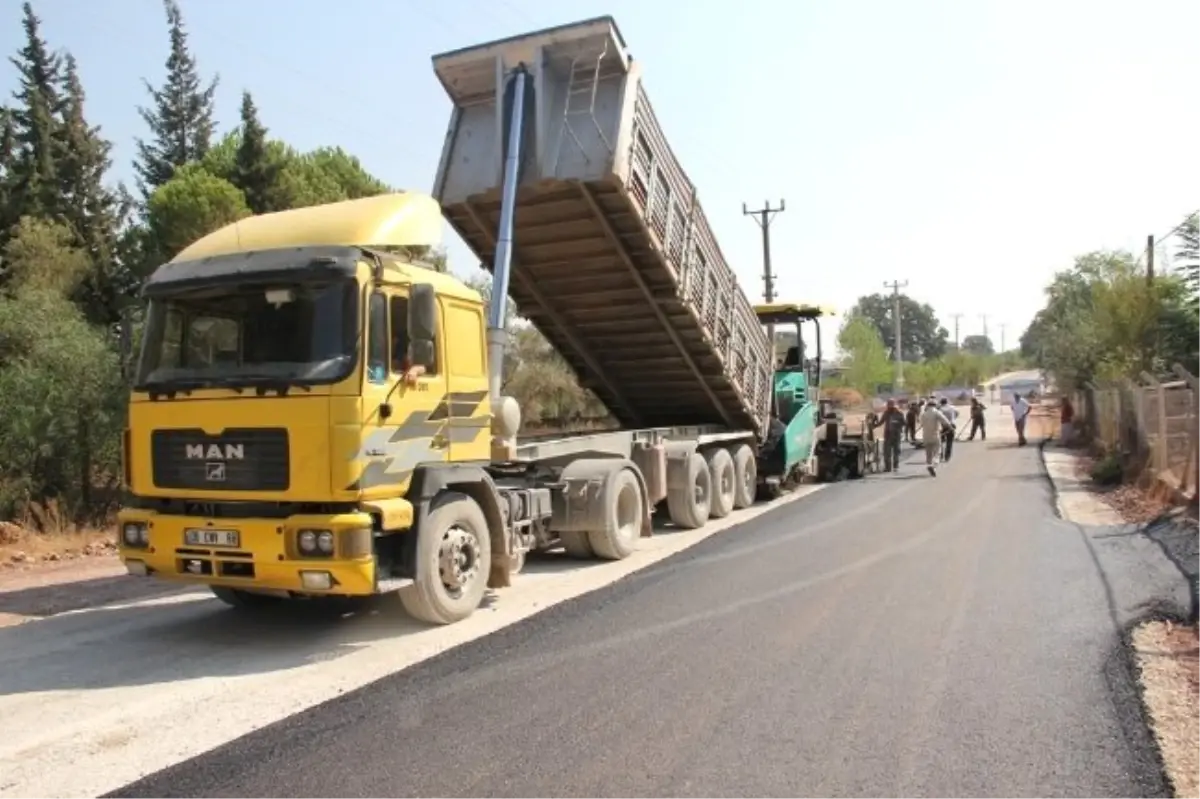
263,383
186,385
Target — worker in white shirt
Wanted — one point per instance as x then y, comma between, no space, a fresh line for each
1020,412
933,422
951,414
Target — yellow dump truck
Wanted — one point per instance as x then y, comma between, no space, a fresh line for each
315,413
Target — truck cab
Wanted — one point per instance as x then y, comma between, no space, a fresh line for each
295,402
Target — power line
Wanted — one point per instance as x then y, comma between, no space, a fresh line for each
895,286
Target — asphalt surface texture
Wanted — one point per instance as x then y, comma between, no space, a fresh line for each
901,635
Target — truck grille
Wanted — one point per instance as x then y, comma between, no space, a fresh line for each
239,459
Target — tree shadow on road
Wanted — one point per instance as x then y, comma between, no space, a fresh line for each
185,633
50,600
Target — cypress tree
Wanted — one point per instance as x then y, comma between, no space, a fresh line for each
92,211
255,171
8,148
33,184
181,115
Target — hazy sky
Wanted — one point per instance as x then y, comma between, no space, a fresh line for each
970,147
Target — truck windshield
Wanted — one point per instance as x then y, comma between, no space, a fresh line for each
247,335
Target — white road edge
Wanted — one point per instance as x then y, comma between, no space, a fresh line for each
94,699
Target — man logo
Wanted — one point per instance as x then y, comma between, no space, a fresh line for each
216,452
214,471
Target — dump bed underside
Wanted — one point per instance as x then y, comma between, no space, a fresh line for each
623,327
612,258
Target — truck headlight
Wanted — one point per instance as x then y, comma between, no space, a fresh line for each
325,542
135,534
307,542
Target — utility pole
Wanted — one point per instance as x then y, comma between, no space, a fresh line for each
1003,325
895,286
984,317
763,217
1151,339
956,317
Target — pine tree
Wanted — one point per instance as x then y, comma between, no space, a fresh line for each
255,170
92,211
33,184
181,118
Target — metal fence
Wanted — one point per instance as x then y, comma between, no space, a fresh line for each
1151,424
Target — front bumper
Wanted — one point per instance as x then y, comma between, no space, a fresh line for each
266,556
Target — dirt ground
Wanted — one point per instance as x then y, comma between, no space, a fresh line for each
1168,669
1166,654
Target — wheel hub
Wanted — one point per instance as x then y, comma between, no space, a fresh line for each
458,559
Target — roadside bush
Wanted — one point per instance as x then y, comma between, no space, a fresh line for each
61,398
1108,471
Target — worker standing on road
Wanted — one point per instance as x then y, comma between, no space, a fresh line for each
933,422
893,423
1020,412
910,420
951,414
978,422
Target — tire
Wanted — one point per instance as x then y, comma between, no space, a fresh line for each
244,600
745,470
858,467
689,505
453,539
623,514
576,545
723,477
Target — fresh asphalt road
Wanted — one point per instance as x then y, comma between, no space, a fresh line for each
897,636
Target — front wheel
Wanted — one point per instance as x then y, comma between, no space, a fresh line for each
454,557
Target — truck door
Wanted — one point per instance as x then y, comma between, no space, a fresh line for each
405,424
466,371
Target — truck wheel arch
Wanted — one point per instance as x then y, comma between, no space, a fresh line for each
431,480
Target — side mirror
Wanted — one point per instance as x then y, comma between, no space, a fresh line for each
422,325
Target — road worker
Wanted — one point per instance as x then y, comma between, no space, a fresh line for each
951,414
893,423
1020,412
910,420
978,422
933,422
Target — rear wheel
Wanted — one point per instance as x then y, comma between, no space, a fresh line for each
623,513
745,472
454,557
576,544
723,477
689,503
858,462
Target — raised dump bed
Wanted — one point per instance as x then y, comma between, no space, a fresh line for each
612,257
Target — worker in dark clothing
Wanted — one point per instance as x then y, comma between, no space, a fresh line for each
910,421
893,423
951,413
978,423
